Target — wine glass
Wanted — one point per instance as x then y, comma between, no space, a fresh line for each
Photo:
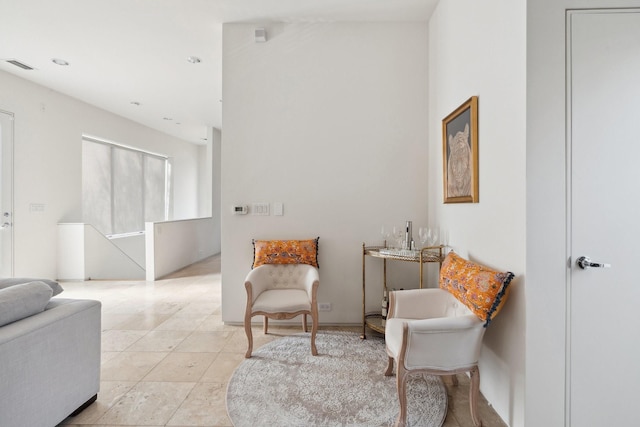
434,238
397,235
385,233
423,233
445,238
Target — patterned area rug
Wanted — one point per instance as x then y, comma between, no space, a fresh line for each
284,385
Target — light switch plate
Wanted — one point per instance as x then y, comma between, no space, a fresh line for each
260,209
36,207
278,208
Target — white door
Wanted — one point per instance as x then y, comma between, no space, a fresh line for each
6,194
604,222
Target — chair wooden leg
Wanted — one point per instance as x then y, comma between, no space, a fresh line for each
401,375
474,389
304,323
247,330
314,330
454,380
265,328
389,370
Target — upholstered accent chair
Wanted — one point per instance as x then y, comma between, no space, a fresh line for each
439,331
283,284
282,291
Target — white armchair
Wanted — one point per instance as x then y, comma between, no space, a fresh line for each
430,331
282,291
439,331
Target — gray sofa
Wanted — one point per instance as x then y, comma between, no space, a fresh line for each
49,356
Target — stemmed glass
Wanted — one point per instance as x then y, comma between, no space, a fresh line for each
423,233
434,236
397,235
445,238
385,234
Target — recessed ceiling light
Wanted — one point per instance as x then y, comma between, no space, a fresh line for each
136,103
194,59
167,118
59,61
204,139
178,123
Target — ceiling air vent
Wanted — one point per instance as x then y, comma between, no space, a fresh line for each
19,64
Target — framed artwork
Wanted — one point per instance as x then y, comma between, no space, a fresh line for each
460,153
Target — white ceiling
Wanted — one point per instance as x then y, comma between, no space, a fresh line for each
124,51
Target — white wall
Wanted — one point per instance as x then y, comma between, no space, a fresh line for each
105,261
48,130
133,246
546,214
478,48
86,254
173,245
331,120
216,172
205,180
209,182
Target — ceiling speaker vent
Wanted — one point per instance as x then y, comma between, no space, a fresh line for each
19,64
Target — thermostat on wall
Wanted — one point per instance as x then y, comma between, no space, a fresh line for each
240,209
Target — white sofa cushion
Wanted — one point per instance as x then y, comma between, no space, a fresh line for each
24,300
12,281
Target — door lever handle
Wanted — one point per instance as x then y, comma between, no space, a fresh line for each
585,262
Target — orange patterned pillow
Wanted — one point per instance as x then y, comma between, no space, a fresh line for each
285,252
480,288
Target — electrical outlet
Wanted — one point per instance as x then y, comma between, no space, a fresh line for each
324,306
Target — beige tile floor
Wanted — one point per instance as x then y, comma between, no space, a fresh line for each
167,356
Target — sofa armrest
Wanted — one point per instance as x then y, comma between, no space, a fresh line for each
50,363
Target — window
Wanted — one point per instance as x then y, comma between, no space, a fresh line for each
122,187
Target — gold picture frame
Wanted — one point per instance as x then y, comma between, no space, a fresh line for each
460,153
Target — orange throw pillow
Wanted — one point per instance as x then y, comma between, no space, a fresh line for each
285,252
483,290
